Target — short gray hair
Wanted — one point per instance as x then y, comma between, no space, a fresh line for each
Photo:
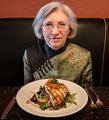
46,10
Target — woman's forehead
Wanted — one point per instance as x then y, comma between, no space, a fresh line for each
56,15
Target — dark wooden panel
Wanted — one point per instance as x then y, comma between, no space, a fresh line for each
15,36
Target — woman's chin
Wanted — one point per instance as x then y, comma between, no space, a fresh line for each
56,47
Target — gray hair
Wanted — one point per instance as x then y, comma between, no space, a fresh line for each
46,10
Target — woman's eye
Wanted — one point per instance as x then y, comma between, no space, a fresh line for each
62,24
49,24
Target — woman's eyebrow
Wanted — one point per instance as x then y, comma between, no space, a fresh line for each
55,22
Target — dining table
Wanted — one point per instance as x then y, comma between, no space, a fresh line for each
87,113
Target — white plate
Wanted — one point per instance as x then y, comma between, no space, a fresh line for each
25,92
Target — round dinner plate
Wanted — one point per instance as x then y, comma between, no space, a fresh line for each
25,92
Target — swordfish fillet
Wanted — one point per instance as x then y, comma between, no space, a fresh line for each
57,92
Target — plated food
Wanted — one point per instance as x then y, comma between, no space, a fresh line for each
52,95
73,91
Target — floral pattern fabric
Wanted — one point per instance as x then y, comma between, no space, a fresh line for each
74,64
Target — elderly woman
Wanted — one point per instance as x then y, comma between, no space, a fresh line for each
54,56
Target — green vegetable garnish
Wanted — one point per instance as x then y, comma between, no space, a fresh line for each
54,81
71,98
44,105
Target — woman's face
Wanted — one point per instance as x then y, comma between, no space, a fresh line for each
55,29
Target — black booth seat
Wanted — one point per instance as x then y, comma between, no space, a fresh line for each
17,34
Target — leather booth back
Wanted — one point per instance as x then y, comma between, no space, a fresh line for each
17,34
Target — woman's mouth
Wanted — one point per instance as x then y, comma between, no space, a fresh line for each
55,40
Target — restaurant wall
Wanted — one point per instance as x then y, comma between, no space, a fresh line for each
28,8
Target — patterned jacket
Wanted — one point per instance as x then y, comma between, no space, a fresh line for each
73,64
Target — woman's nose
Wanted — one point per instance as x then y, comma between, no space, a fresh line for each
55,29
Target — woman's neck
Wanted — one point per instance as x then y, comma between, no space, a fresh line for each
51,53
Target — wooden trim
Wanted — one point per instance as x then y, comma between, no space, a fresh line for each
104,49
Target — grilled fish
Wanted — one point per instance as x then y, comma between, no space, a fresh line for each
57,92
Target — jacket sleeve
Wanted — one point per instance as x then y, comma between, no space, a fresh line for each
87,76
28,77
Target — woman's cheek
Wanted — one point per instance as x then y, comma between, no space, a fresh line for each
45,34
